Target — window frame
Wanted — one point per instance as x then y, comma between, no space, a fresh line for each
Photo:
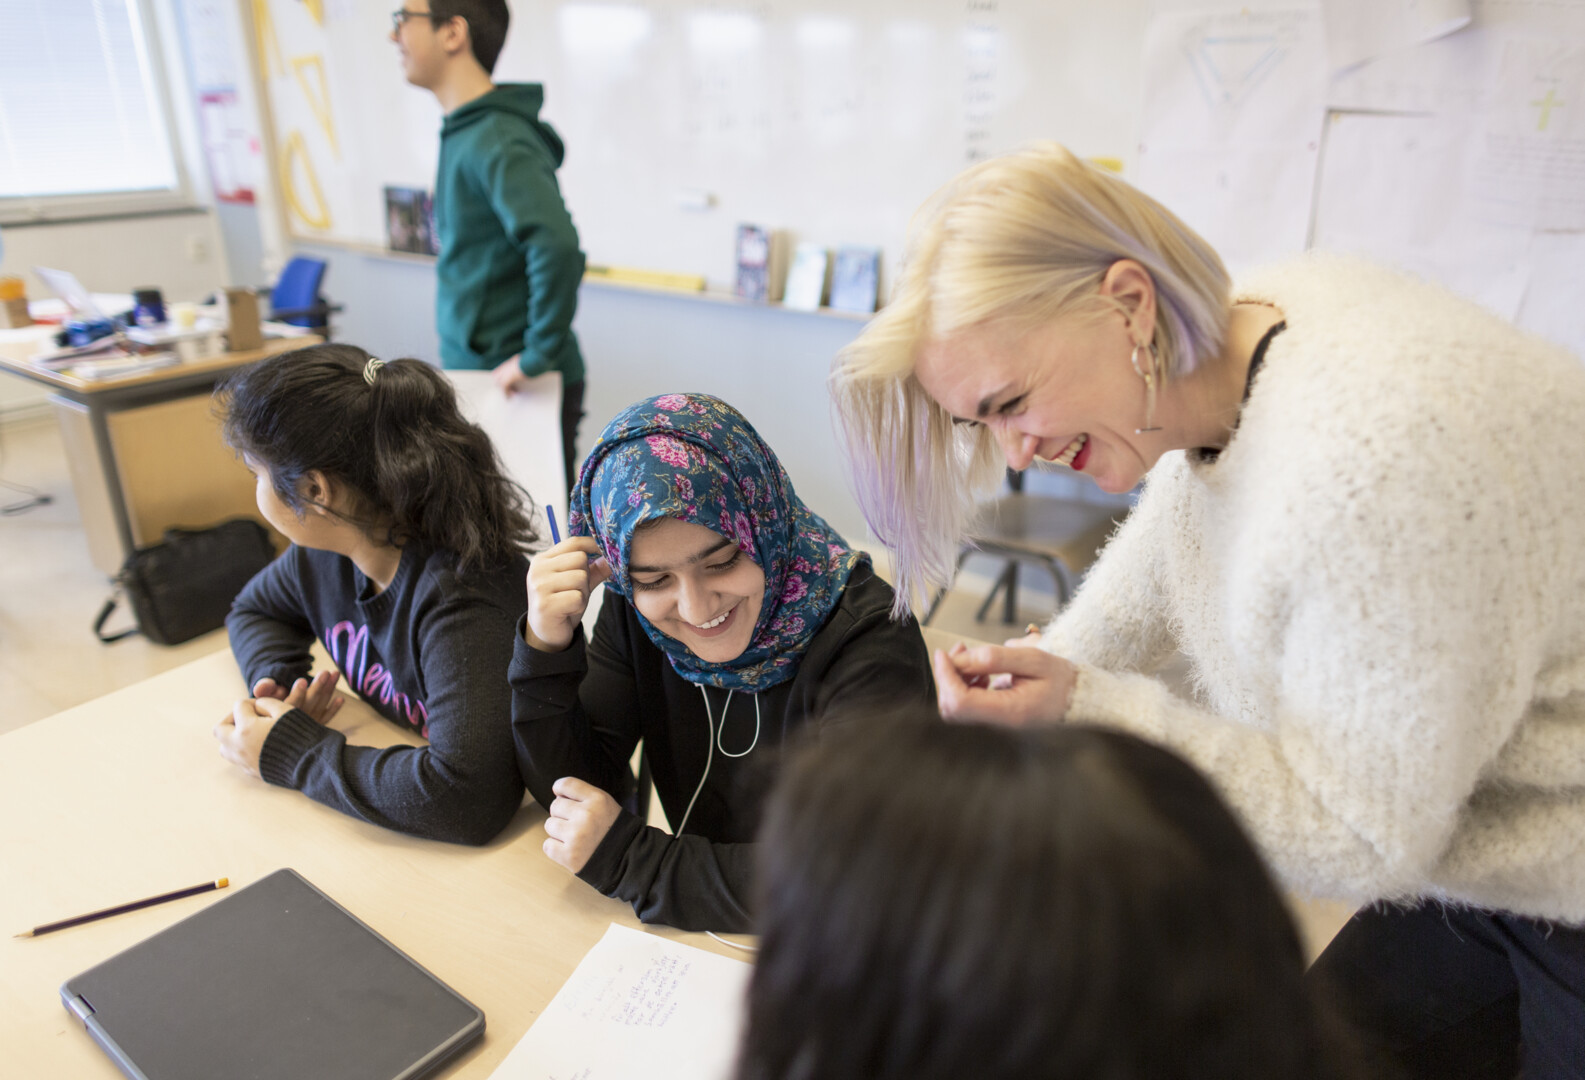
22,210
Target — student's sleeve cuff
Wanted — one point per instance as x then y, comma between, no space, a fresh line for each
605,867
286,748
531,663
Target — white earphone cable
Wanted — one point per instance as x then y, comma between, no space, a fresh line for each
711,746
721,731
733,944
709,755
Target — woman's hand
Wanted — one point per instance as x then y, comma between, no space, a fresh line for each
996,684
317,698
580,816
560,580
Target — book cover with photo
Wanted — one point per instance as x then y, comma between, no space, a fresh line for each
855,282
761,264
410,221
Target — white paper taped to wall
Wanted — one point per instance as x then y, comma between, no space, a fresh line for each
1360,30
1230,130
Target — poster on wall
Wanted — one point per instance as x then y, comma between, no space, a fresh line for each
232,148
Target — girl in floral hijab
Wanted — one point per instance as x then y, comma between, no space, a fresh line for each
696,459
721,584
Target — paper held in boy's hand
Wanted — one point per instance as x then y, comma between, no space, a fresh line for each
526,431
637,1006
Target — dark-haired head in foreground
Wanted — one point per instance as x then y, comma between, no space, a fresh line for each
963,901
416,468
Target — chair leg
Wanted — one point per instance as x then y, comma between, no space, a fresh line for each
1059,576
1010,597
942,593
1001,583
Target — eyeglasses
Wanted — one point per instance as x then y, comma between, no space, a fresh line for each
401,15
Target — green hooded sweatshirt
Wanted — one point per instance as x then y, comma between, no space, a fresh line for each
509,264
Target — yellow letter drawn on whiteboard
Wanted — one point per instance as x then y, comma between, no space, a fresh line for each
317,91
264,36
296,151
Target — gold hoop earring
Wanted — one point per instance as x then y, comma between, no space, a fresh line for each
1152,377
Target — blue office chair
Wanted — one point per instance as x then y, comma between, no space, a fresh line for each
296,300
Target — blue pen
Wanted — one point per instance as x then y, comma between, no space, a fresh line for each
550,516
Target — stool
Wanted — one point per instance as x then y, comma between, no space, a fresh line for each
1061,535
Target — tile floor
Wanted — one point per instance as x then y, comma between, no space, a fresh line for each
50,593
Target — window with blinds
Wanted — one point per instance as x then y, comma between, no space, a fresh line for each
84,126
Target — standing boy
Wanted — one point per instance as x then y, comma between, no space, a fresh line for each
509,263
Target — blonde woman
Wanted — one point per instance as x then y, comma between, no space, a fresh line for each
1362,524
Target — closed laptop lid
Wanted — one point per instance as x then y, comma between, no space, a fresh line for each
276,980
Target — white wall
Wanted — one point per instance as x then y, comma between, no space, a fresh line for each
180,253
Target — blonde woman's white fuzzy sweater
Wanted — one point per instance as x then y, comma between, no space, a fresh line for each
1380,589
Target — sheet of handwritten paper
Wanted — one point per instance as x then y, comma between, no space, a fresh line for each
637,1005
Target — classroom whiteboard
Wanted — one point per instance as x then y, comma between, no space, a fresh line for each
829,119
832,120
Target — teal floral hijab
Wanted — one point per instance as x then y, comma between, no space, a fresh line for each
695,458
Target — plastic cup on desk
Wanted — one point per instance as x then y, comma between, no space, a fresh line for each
184,315
198,346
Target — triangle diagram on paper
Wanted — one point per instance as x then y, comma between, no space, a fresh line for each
1230,66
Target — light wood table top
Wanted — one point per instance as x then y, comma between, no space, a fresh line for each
127,797
205,365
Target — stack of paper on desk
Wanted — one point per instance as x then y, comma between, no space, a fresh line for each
637,1006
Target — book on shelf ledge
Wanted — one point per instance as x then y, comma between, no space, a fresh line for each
855,281
761,263
410,221
806,281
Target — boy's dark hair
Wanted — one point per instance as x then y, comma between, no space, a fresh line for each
416,466
487,22
942,901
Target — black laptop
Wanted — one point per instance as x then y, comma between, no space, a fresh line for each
275,982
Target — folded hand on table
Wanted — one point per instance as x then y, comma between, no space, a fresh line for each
241,734
1014,686
317,698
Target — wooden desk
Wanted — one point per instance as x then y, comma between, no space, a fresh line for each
145,450
127,797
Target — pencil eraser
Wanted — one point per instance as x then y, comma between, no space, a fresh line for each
222,883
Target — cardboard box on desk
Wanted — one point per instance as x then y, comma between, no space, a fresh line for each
242,320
